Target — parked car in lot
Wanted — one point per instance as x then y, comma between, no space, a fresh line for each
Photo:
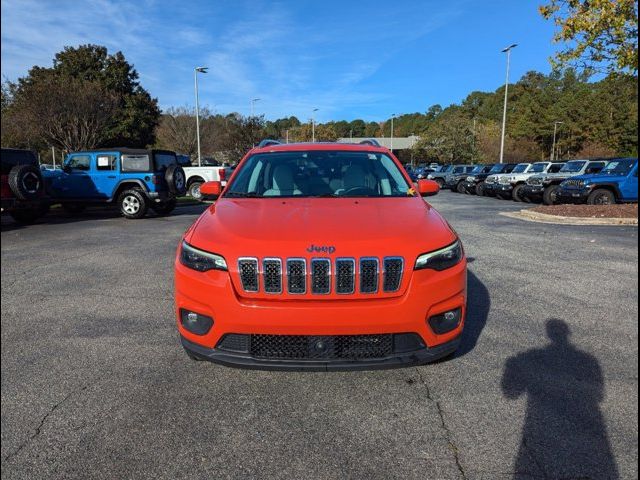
511,185
288,270
455,181
493,184
545,187
210,171
616,183
474,183
21,185
133,179
440,176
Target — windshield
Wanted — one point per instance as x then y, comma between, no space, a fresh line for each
478,169
319,174
521,168
538,167
618,167
497,168
573,166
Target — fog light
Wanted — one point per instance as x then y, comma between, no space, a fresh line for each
445,322
195,322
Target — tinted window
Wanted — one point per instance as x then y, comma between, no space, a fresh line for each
555,168
319,173
79,162
106,162
497,168
538,167
573,166
163,160
521,168
11,158
135,163
618,167
595,167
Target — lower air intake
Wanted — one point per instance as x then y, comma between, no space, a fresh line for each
317,347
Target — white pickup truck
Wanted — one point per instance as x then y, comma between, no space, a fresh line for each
196,176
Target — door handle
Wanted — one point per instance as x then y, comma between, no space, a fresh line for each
111,176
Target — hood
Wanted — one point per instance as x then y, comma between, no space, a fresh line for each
599,178
288,227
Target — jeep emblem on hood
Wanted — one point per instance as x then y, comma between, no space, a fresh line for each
321,249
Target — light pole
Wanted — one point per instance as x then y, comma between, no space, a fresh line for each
313,125
253,101
506,90
195,77
393,115
553,149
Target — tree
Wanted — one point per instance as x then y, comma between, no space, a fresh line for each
71,114
133,114
177,131
597,33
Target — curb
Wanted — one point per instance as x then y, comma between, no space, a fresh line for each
530,216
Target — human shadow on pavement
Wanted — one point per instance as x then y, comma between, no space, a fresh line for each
478,306
564,433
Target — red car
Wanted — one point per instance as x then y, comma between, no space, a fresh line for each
320,256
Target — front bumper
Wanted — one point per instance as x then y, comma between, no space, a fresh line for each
532,192
470,186
502,189
245,360
213,294
490,189
573,195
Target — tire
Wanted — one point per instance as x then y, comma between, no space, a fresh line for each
516,193
133,204
460,188
549,195
440,183
601,196
501,196
26,182
176,179
164,208
480,189
194,190
73,208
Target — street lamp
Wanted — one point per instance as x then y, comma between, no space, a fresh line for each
313,125
393,115
253,101
506,89
195,76
553,149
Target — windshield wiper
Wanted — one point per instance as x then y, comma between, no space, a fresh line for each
242,194
326,195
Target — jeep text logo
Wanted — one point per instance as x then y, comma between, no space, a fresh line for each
322,249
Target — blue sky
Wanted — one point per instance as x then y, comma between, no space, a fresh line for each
347,58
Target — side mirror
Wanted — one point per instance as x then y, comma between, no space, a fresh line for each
428,188
211,190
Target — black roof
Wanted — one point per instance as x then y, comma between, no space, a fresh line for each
131,151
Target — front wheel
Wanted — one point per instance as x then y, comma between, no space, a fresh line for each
460,188
164,208
480,189
601,196
516,193
194,190
133,204
550,195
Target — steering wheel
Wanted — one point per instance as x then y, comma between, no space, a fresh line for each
359,190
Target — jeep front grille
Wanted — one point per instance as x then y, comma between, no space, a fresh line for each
534,181
344,276
573,183
491,179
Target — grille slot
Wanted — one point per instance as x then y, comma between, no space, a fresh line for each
369,272
345,275
272,275
393,269
321,276
234,342
248,269
297,276
311,347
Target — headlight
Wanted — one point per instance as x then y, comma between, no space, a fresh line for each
200,260
430,177
441,259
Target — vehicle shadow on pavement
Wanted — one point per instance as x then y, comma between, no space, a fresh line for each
564,433
478,306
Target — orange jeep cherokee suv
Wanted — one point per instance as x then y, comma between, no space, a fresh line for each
320,256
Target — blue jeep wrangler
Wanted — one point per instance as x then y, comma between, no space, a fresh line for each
617,182
134,179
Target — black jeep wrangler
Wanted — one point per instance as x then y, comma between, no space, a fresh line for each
22,187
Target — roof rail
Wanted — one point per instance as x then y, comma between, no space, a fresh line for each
370,141
268,142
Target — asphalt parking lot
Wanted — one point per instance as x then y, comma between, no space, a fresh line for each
96,385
